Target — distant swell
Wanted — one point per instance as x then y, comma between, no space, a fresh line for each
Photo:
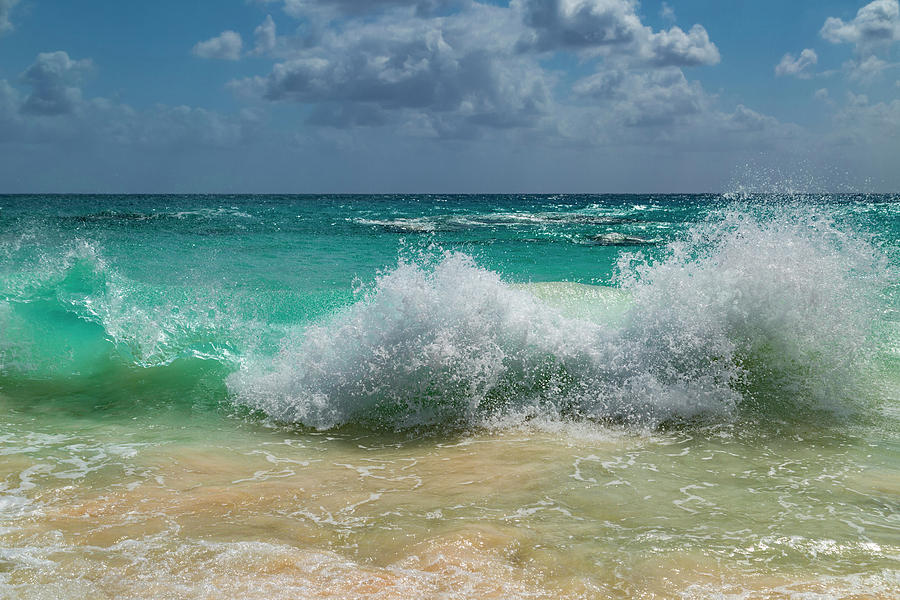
462,222
767,308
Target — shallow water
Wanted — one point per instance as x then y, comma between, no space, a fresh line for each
249,397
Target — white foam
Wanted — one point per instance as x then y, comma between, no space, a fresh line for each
778,301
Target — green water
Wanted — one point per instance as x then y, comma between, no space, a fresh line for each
449,397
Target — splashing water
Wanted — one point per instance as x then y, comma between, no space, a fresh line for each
766,306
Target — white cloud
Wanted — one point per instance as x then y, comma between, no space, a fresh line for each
225,46
266,36
667,12
875,23
611,28
382,76
874,29
674,47
408,76
661,108
54,79
476,72
333,8
866,69
6,7
798,66
652,98
745,119
459,74
580,24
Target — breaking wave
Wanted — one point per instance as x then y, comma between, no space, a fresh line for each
69,313
755,307
772,308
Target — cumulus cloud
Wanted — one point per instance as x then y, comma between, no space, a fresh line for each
266,36
797,66
874,29
476,72
745,119
654,98
693,124
6,7
225,46
876,22
866,69
674,47
662,108
611,27
456,74
581,23
54,79
307,8
378,77
477,69
397,71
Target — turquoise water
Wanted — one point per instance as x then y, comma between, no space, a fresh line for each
449,396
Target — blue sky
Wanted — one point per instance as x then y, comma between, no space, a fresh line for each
303,96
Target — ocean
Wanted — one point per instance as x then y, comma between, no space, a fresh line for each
444,396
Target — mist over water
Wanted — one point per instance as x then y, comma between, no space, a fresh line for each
498,396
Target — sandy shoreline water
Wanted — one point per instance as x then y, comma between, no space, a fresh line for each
522,513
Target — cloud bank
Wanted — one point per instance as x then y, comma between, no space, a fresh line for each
426,91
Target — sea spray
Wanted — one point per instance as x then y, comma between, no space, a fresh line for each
751,306
425,346
778,295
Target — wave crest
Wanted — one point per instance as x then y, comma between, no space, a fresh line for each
769,307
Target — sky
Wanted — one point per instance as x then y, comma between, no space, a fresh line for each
444,96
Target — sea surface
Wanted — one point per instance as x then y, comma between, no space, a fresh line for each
423,396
